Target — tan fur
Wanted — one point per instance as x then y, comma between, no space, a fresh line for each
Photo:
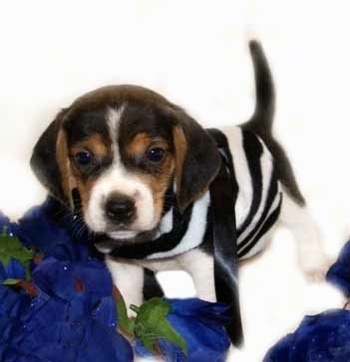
157,183
98,147
142,142
180,144
85,191
94,144
64,165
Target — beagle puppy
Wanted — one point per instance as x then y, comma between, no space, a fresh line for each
142,168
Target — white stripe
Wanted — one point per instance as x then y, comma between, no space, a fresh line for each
113,120
245,193
266,166
261,243
195,231
166,224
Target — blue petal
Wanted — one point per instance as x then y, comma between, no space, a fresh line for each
12,303
15,270
61,279
67,338
339,273
104,344
201,324
38,229
106,312
170,352
3,273
206,312
323,337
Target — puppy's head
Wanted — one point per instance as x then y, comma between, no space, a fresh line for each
122,147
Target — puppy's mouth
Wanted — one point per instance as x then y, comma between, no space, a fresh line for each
110,241
122,234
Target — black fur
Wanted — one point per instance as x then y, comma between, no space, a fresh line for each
201,164
261,121
44,162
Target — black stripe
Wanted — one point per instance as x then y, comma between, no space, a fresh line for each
151,286
253,150
165,242
272,193
169,198
267,225
223,194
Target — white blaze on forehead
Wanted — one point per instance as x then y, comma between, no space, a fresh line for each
117,179
113,120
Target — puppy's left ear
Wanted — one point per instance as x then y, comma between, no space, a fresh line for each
197,159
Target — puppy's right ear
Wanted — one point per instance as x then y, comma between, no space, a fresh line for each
46,157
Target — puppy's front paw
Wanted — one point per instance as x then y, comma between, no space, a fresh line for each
314,266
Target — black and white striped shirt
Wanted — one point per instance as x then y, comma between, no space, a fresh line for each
257,204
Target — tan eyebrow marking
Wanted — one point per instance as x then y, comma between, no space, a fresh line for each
94,144
142,141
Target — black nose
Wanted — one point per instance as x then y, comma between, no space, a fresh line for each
120,208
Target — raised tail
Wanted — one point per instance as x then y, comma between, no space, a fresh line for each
262,118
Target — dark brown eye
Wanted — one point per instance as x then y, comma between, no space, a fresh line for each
155,154
83,158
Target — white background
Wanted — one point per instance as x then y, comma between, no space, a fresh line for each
195,53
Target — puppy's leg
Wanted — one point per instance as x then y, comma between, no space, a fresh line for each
311,256
128,278
200,266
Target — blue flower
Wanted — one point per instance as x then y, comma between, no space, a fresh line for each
201,324
73,316
11,308
319,338
339,273
50,229
72,319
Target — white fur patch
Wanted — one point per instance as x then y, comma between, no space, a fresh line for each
117,179
166,223
311,256
113,120
129,279
200,266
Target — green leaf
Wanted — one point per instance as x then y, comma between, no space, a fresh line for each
151,323
11,247
125,323
11,281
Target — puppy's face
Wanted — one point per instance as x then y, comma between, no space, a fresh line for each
122,160
122,148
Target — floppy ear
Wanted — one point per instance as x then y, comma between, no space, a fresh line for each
50,161
197,160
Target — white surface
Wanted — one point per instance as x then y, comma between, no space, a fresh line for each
195,53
